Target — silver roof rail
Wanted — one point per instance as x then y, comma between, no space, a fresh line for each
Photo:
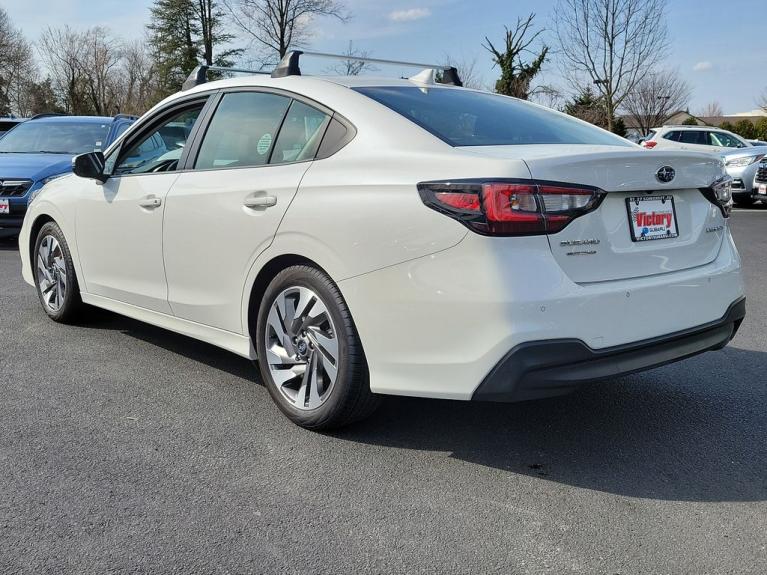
200,74
289,65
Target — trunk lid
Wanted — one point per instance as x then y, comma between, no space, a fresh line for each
599,246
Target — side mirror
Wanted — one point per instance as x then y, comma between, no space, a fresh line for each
90,165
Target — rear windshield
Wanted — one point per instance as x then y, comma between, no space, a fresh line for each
468,118
55,137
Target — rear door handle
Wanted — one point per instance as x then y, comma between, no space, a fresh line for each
150,202
255,202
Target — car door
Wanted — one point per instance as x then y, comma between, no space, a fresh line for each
724,142
224,212
694,140
119,222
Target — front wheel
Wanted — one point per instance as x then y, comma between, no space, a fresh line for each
54,274
310,355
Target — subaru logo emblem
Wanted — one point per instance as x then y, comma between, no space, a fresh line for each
665,174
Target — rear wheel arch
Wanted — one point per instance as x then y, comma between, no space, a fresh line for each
265,275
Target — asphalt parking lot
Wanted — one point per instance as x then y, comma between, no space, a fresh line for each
128,449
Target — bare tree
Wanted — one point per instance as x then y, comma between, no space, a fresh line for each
18,70
139,85
610,44
517,74
549,96
467,71
62,52
655,98
711,109
276,26
99,69
352,67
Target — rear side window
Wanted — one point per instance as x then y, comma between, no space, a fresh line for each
468,118
673,136
300,135
693,137
242,131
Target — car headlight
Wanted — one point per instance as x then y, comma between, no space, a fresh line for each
743,162
34,194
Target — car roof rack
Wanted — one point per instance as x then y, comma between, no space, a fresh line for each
46,115
289,66
200,74
125,117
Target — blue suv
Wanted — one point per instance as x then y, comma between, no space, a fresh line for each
41,149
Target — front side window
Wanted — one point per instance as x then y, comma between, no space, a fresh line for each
55,137
243,130
468,118
724,140
156,153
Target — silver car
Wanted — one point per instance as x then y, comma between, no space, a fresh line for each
743,164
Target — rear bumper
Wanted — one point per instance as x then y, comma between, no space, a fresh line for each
535,370
437,326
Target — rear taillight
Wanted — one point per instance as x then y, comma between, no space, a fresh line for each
649,144
510,208
719,193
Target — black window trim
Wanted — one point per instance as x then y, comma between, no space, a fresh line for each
151,123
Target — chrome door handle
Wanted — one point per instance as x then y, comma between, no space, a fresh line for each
150,202
260,202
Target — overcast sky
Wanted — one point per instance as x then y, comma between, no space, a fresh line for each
718,47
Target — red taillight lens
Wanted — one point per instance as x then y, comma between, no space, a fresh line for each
649,144
459,201
510,208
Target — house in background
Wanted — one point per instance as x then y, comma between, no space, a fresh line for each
679,118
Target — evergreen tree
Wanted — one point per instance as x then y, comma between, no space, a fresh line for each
183,34
588,106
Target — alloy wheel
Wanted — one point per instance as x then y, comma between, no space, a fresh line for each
51,273
301,347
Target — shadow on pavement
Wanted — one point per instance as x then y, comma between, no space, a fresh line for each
692,431
677,433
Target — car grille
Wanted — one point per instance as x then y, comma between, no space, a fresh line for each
761,173
10,187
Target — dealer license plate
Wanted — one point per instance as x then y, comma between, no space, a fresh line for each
652,218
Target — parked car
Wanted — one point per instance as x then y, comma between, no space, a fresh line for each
696,138
365,236
8,123
760,184
41,149
742,165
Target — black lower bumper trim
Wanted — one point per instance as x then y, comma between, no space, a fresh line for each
539,369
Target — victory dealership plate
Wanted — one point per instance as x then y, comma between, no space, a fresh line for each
652,218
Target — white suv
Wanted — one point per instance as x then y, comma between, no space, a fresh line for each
363,236
696,138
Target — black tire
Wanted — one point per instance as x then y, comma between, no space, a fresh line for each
349,399
71,306
745,202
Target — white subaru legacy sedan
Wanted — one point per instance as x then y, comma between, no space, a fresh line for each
361,237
